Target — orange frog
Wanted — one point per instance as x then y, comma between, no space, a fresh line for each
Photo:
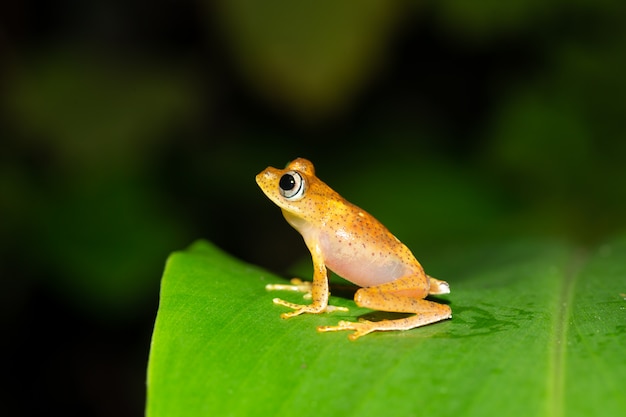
357,247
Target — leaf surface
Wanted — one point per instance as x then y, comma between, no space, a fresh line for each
538,328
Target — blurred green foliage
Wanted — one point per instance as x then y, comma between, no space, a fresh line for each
311,55
95,219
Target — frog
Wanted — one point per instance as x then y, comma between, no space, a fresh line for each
345,239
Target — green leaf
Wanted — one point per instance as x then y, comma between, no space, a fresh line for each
538,328
88,108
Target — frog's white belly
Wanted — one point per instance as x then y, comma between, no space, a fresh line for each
364,266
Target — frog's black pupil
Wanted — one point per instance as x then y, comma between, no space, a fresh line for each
287,182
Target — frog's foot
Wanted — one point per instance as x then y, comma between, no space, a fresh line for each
438,287
361,328
301,309
296,285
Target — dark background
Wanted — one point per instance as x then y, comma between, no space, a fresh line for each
131,128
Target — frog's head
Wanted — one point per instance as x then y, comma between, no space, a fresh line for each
288,187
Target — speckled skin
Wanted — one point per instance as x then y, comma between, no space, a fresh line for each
356,246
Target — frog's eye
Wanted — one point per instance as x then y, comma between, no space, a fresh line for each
291,185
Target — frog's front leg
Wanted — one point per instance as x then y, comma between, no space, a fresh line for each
298,285
318,289
398,296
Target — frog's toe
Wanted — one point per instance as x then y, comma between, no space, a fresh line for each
297,308
342,325
296,285
330,309
285,303
361,328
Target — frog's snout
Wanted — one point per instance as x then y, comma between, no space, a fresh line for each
267,180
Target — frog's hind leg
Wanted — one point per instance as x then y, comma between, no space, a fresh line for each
401,300
427,312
